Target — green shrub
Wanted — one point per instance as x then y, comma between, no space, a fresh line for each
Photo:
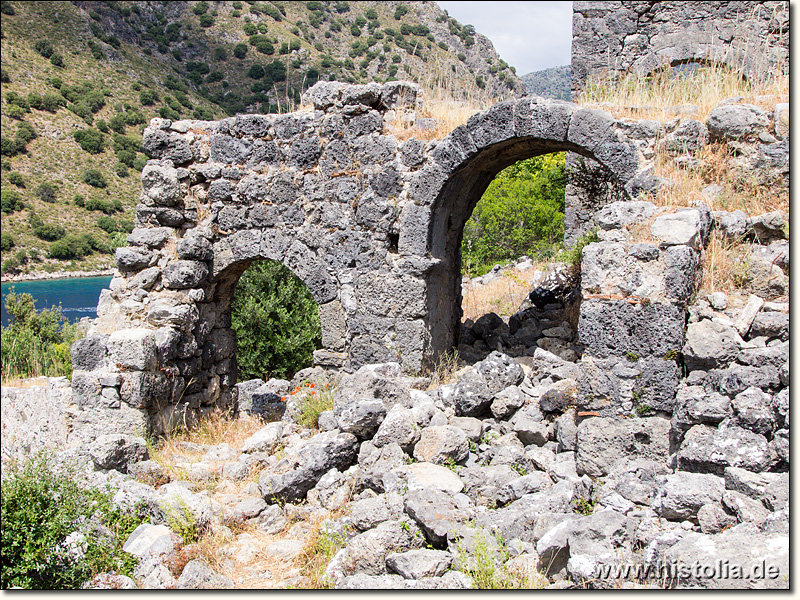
250,29
43,47
49,232
256,71
521,212
79,200
52,102
6,241
240,50
41,507
94,178
90,140
10,201
16,178
117,123
57,60
121,169
262,44
6,8
71,246
276,321
148,97
47,192
126,157
206,21
25,132
28,341
139,163
107,224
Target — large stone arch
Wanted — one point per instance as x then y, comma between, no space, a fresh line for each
370,222
467,160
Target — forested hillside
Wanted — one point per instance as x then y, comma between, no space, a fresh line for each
81,79
550,83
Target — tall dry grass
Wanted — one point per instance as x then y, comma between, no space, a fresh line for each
502,295
441,102
656,96
720,77
725,267
738,192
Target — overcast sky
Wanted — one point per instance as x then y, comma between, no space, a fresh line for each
530,36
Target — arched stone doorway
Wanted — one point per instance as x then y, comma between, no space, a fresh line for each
469,159
372,225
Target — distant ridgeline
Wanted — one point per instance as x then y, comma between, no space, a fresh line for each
640,37
549,83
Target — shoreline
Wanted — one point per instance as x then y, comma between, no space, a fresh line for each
43,276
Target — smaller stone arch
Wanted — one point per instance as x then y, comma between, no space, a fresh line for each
460,168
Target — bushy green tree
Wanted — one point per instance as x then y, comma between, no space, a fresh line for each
35,342
10,201
521,212
276,322
91,140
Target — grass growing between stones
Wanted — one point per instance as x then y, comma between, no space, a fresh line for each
315,399
651,97
218,427
320,548
736,192
726,266
482,566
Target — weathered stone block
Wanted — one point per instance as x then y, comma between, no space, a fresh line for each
615,328
132,349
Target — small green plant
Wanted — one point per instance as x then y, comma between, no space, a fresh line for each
643,409
631,356
56,533
182,521
522,471
313,402
672,355
583,506
450,463
317,553
483,565
573,256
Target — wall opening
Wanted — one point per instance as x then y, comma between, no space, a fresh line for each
276,321
509,243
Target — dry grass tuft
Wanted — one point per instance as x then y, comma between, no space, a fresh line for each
715,168
656,97
438,104
215,429
725,268
502,295
445,370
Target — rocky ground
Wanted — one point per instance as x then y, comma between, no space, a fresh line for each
532,463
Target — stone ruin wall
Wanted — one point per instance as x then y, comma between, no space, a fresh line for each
371,223
611,39
640,37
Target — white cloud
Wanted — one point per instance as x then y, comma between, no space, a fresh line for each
530,36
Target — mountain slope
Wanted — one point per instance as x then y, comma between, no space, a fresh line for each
104,69
554,82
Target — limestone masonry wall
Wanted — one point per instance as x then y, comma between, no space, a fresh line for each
639,37
370,223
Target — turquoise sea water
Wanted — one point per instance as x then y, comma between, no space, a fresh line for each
77,296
